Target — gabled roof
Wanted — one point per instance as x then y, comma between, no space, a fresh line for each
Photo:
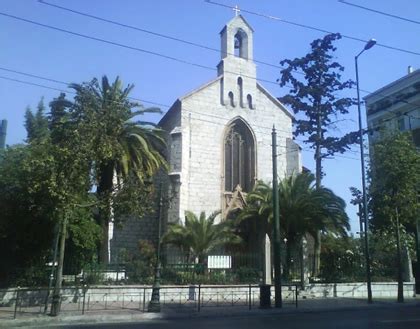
275,101
239,17
176,104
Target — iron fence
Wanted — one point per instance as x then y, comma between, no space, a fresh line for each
82,300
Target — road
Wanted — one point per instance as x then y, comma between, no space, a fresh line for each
389,318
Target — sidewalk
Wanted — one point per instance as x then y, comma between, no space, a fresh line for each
132,315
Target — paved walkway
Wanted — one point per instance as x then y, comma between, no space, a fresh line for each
32,318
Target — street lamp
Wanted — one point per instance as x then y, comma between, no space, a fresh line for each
276,227
368,45
154,304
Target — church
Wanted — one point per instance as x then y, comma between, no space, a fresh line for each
219,139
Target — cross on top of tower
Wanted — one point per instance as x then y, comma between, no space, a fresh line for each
236,10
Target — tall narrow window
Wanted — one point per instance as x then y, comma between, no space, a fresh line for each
231,99
239,157
241,92
249,99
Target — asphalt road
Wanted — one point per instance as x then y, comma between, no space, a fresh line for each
389,318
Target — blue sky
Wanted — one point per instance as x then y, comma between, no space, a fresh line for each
39,51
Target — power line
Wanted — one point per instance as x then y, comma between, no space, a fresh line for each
73,93
380,12
63,90
200,119
35,84
164,36
313,28
161,35
165,105
117,44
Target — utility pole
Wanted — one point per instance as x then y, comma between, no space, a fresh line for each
276,219
3,131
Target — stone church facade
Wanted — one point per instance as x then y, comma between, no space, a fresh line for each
220,134
219,137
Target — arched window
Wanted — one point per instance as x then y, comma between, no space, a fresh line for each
241,44
239,157
231,99
249,99
241,92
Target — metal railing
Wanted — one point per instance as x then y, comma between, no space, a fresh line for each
194,298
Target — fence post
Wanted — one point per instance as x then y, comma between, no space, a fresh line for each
84,298
199,297
144,298
249,297
16,302
296,296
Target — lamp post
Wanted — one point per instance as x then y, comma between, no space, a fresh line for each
276,234
154,304
368,45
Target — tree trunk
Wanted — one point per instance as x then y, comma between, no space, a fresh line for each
104,192
56,302
400,297
318,177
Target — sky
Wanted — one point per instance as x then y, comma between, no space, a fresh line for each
64,57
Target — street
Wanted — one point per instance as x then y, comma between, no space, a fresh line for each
389,318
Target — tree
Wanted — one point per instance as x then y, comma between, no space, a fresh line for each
120,147
395,182
199,235
304,209
36,124
394,190
316,82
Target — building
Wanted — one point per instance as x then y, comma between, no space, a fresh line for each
219,137
395,107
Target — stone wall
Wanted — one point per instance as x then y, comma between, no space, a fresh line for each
176,293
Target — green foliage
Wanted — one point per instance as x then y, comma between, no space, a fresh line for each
199,236
342,259
303,208
124,152
395,182
80,144
140,267
36,124
383,249
26,228
317,82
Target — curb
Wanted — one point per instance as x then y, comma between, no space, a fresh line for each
47,321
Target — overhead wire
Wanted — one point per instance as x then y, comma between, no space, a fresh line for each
200,119
168,36
117,44
380,12
149,101
125,46
313,28
174,38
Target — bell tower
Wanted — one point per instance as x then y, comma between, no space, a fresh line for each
237,68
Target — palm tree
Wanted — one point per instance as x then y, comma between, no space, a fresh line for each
199,235
304,209
121,146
